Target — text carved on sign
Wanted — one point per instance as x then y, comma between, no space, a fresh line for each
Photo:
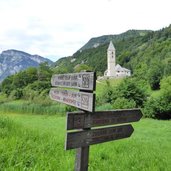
82,81
95,136
78,120
80,100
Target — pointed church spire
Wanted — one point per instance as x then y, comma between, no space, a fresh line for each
111,46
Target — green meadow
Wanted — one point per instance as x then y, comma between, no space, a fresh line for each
36,142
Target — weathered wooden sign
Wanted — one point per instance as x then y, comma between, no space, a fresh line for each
81,100
90,137
82,81
85,100
79,120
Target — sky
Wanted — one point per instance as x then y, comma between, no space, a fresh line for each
58,28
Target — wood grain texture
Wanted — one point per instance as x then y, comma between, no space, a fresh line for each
90,137
78,120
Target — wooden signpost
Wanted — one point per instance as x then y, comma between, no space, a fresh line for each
89,137
81,100
78,120
88,118
82,81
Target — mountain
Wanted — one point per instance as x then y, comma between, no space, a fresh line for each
93,53
136,50
13,61
97,41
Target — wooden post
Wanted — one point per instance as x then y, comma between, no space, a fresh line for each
82,157
82,154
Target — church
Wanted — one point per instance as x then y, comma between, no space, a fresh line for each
113,70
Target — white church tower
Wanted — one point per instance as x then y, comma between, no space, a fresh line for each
113,70
111,61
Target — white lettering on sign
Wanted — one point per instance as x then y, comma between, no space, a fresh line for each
80,100
84,80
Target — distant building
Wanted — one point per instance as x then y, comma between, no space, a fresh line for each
114,70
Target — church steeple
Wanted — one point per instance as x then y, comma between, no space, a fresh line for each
111,60
114,70
111,47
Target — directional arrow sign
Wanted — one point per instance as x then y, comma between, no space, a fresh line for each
78,120
82,81
89,137
80,100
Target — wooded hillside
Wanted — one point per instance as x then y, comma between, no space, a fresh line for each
138,52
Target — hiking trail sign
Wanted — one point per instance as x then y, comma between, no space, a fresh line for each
95,136
81,100
82,81
82,122
78,120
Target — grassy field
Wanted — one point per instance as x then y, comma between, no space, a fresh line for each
101,84
23,106
36,142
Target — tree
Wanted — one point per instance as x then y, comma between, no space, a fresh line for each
44,72
108,92
166,88
122,103
60,70
82,67
160,106
31,75
139,71
6,85
19,80
155,74
167,68
129,89
16,94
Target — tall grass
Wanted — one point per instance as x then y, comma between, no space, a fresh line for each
27,148
36,142
25,107
32,108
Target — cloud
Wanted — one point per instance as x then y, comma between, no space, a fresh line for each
59,28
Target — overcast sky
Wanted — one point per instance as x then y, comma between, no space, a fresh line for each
58,28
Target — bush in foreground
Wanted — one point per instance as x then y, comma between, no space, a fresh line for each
160,107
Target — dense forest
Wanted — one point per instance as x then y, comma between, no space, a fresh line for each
148,55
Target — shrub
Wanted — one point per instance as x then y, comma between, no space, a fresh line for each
130,93
166,87
122,103
108,93
16,94
150,108
104,107
130,89
158,108
70,108
155,74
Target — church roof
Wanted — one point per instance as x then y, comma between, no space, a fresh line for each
111,46
119,68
